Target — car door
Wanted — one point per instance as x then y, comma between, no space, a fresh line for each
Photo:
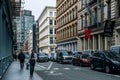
101,60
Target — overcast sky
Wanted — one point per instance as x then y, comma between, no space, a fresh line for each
37,6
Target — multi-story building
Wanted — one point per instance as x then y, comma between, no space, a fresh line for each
30,40
24,23
9,9
47,24
92,15
66,25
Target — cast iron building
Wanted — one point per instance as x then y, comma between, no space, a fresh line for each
92,15
66,28
47,24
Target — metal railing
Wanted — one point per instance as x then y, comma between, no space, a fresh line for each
4,64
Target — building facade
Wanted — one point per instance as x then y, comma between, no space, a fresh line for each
30,40
92,15
47,24
9,9
24,24
66,28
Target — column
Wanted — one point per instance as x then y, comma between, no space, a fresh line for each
99,42
106,44
84,44
93,42
89,44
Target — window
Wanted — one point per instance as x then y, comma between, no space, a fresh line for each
54,13
51,40
51,22
54,22
81,22
119,7
51,30
86,20
51,14
109,10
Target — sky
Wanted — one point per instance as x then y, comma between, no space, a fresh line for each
37,6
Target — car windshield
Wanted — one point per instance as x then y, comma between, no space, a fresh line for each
42,54
85,56
65,53
112,55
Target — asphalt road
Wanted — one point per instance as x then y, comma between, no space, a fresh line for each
69,72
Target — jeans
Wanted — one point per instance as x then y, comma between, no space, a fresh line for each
21,65
32,65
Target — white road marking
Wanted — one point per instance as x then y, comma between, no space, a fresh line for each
38,67
77,68
49,67
55,74
45,68
66,68
55,68
51,72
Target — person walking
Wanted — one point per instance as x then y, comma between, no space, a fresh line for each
33,58
21,58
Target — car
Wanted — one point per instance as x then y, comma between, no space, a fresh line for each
43,57
64,57
84,60
115,48
76,58
106,60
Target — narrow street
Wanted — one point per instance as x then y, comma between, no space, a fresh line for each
70,72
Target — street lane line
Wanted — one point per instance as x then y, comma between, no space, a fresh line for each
41,66
49,67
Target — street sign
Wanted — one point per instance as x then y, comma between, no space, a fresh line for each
87,33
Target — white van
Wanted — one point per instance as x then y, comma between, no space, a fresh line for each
115,48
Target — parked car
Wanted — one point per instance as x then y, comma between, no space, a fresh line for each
76,58
64,57
84,60
115,48
43,57
109,61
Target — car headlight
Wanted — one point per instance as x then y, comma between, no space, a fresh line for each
116,62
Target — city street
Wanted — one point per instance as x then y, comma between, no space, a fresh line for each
70,72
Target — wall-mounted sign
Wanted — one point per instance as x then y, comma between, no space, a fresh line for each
108,28
87,33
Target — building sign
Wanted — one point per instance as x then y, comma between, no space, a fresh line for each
87,33
108,28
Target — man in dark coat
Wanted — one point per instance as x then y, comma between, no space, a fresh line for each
21,58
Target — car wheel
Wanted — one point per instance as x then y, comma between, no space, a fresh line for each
107,69
92,66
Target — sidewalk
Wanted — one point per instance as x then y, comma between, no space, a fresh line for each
14,73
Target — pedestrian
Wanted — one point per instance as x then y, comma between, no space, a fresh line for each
33,58
21,58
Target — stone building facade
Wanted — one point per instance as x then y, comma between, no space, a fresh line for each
101,10
66,28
